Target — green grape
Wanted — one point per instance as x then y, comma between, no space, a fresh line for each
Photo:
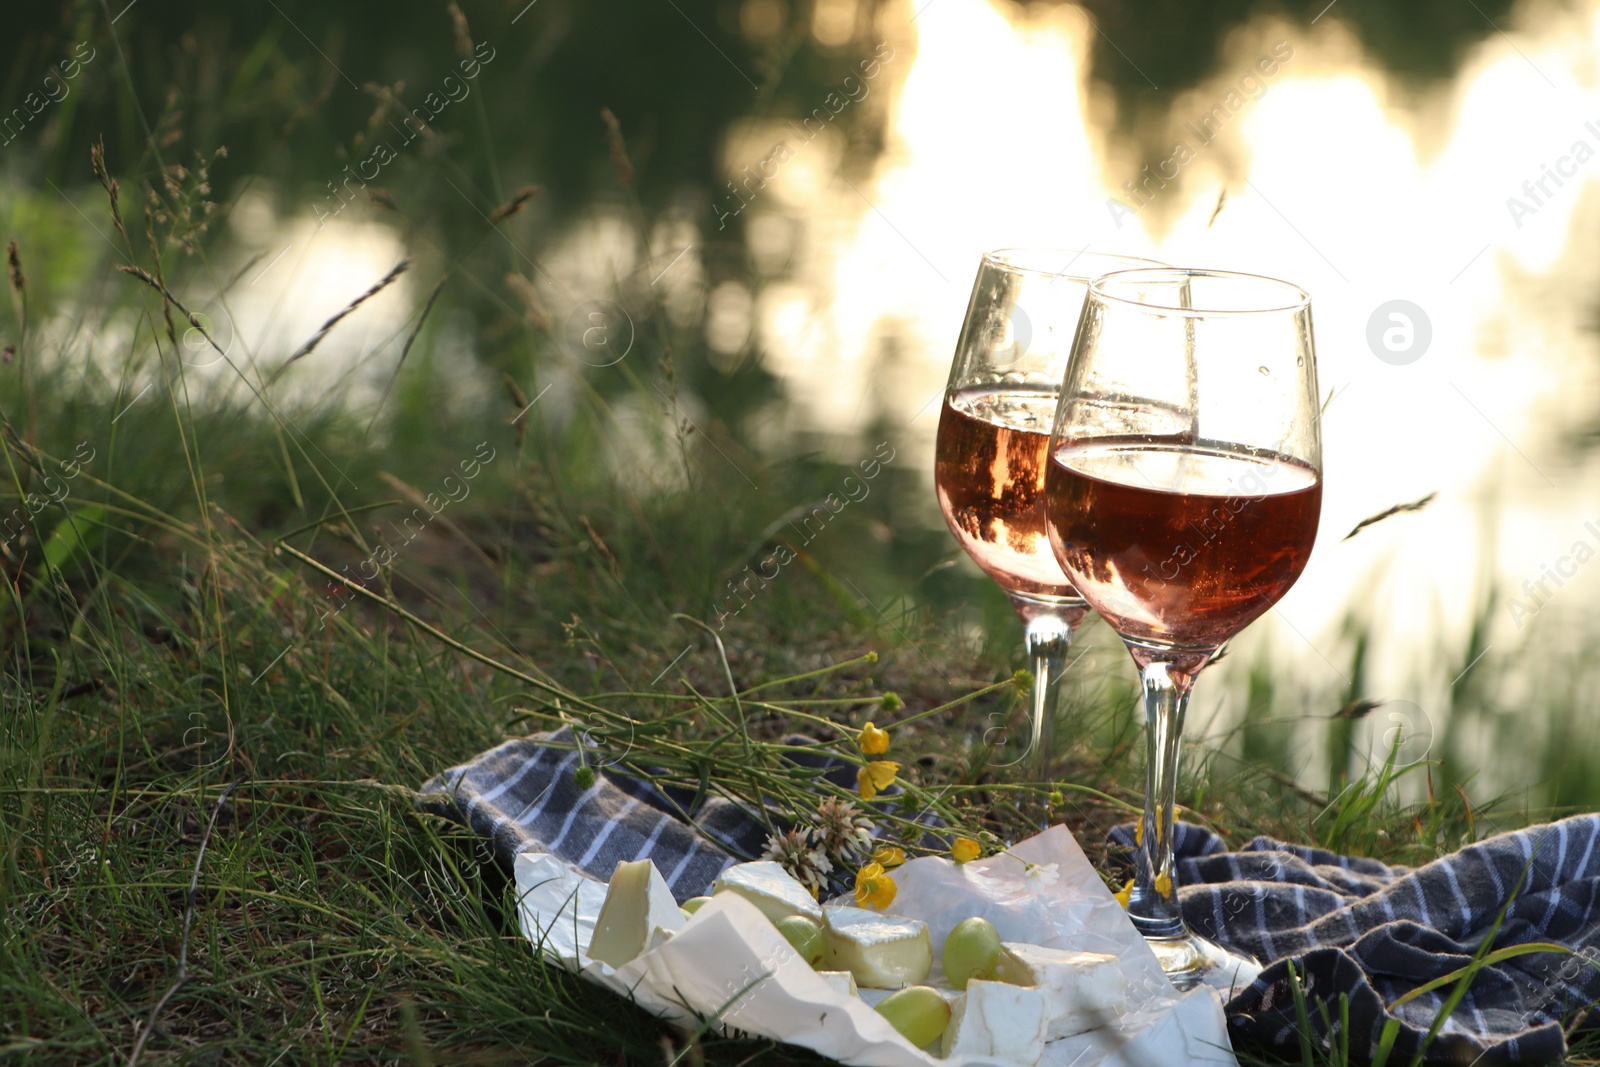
693,904
805,934
918,1012
971,951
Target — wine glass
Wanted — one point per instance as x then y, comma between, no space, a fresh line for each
1182,495
993,438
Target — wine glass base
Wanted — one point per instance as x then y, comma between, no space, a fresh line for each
1190,960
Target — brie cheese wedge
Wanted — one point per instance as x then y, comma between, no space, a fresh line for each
882,951
840,982
770,888
1083,990
638,903
997,1019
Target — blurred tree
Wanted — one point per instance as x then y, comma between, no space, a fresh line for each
301,89
1147,50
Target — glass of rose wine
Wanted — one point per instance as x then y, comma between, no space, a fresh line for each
994,437
1183,491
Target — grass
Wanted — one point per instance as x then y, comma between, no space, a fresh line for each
210,850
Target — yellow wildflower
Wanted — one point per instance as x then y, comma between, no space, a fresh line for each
874,888
875,777
873,741
965,849
889,856
1124,893
1163,884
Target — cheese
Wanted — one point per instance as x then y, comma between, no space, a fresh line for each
637,903
882,951
840,982
770,888
1083,990
997,1019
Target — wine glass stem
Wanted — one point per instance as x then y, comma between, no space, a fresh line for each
1153,903
1047,638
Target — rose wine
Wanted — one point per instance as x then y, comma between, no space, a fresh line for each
1178,543
993,444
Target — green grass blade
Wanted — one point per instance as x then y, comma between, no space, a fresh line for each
1498,955
77,532
1302,1016
1386,1040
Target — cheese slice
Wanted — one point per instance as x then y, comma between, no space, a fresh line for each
997,1019
1083,990
637,903
770,888
882,951
840,982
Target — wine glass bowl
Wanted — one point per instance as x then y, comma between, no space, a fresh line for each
993,446
1183,491
989,475
1180,546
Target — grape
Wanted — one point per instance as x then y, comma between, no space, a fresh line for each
693,904
918,1012
805,934
971,951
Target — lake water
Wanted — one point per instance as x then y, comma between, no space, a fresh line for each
1337,178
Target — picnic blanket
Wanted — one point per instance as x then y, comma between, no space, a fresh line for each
1375,932
1351,926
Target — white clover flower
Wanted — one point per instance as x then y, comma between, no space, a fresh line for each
1041,875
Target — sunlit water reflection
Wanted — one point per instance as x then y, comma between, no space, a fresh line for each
1337,179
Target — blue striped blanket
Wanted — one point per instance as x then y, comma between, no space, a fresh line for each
1375,932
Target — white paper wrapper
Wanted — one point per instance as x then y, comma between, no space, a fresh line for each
729,964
